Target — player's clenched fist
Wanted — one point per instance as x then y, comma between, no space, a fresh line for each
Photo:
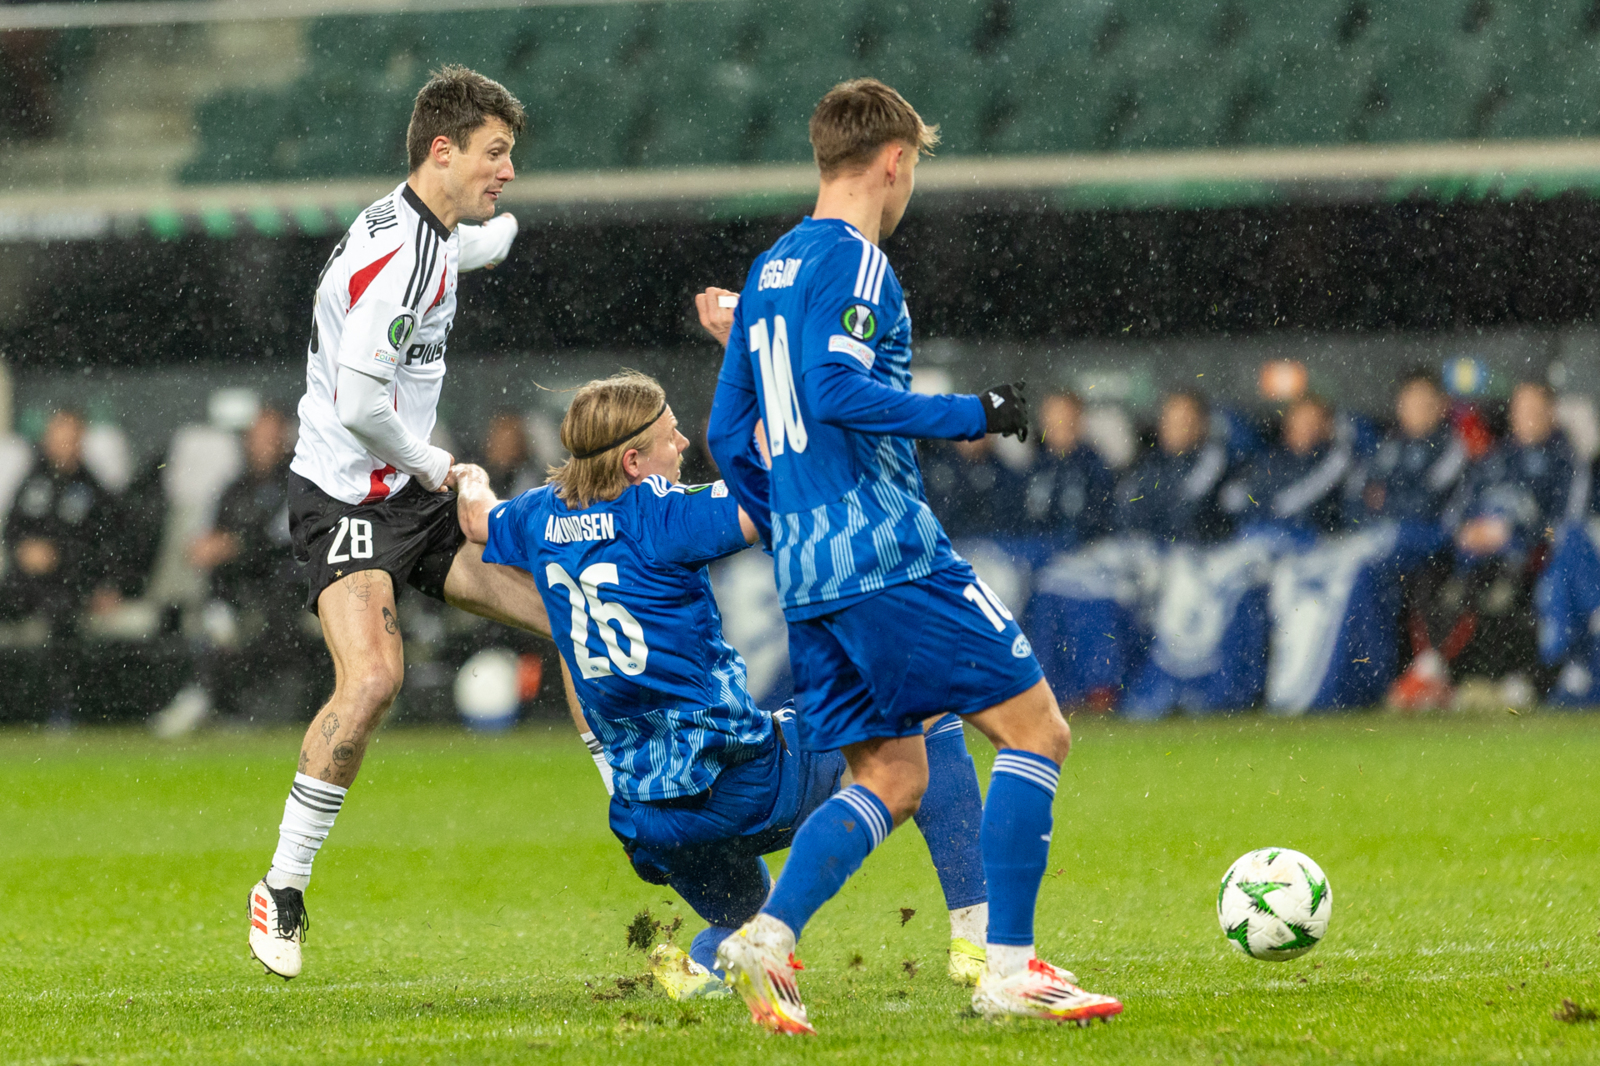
1006,409
716,307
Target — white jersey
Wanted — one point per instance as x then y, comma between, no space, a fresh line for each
385,304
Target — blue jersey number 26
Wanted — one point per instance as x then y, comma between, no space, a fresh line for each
584,595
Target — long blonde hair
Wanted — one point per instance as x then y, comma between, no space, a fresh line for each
596,430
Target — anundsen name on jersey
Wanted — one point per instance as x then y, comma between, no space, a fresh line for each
564,529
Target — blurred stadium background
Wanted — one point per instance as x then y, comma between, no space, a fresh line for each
1133,197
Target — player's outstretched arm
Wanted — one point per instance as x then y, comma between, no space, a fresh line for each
365,409
474,500
842,395
487,245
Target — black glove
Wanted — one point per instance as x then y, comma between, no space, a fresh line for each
1006,409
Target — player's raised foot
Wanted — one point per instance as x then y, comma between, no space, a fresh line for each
278,924
1041,991
760,964
680,977
967,961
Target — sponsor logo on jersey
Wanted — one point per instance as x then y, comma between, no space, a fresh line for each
564,529
778,274
423,354
386,357
400,330
859,321
852,347
1020,648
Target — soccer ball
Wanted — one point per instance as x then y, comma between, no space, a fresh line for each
1274,904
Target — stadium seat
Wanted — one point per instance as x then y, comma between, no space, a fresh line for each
108,455
242,132
16,462
201,463
730,81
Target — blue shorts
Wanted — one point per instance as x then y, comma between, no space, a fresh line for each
882,666
708,847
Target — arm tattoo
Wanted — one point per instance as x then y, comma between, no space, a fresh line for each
391,624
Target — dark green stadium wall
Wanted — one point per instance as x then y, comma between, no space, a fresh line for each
730,81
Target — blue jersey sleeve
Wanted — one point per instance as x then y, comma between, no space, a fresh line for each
846,319
690,524
508,536
730,433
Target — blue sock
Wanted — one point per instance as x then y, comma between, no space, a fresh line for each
951,815
1016,841
829,847
704,947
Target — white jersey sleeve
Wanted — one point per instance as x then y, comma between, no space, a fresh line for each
385,304
376,334
487,245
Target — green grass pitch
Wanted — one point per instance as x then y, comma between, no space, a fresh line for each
471,906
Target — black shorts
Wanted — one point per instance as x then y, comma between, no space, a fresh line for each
413,536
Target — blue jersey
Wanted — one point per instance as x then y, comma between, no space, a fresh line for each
660,687
821,351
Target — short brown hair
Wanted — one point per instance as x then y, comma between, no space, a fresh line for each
454,104
857,118
600,413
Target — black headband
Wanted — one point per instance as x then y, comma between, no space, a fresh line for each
632,433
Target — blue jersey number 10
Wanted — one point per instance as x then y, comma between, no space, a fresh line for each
584,595
784,426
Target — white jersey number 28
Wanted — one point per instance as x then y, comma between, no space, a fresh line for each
359,530
584,595
784,426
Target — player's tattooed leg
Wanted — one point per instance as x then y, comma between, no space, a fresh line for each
358,587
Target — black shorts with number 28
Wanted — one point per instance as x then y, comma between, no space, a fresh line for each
412,535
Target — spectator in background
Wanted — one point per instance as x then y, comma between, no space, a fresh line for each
1172,494
251,630
1069,489
1417,479
1297,488
507,455
60,539
1514,498
1417,472
969,488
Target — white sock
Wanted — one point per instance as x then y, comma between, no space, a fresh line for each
308,815
970,923
1007,959
597,752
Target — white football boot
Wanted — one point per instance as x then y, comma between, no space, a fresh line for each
278,924
760,964
1041,991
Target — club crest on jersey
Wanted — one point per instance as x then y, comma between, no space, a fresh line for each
859,321
400,330
1020,648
